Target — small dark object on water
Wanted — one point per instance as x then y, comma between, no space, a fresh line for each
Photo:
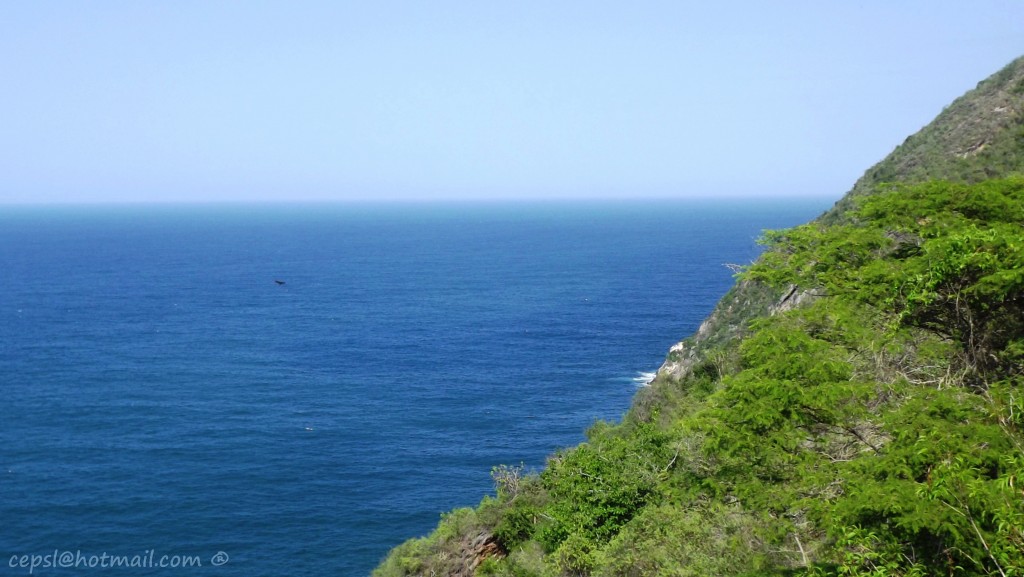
279,282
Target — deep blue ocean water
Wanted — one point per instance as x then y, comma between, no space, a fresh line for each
160,392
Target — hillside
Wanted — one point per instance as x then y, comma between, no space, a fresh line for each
853,406
979,136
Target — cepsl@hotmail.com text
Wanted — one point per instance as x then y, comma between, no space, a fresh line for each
149,559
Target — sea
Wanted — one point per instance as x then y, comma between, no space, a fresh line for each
293,389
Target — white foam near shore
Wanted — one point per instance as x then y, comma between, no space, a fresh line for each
643,379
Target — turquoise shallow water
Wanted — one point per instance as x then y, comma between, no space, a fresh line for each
163,396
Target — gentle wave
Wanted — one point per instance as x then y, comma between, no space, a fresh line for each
642,379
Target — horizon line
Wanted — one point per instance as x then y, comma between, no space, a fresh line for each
418,201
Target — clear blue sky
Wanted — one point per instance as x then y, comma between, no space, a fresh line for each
334,100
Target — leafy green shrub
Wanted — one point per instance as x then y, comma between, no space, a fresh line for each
598,486
963,280
684,540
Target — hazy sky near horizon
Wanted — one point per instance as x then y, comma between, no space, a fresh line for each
230,101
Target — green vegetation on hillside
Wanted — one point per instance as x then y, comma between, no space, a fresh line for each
876,430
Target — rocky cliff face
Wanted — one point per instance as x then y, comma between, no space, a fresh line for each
728,320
